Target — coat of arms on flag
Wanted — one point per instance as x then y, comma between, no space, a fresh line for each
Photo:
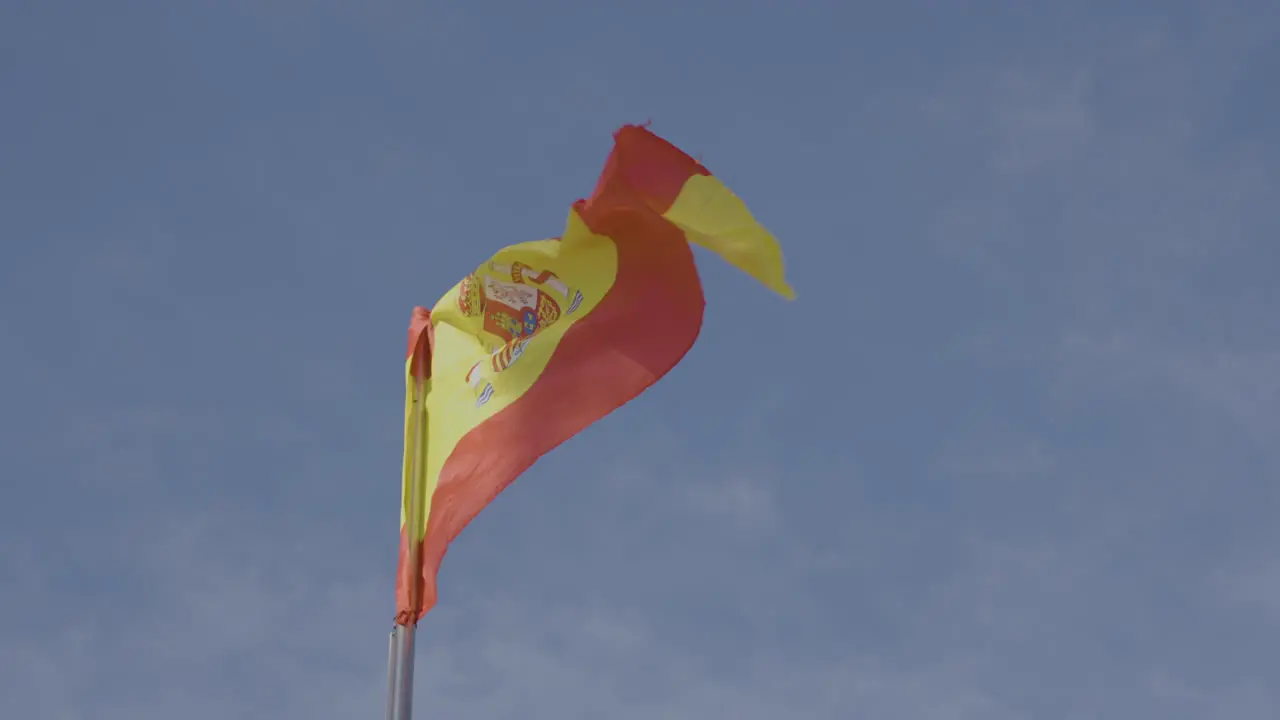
516,302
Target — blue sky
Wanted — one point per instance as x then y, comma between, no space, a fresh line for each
1016,457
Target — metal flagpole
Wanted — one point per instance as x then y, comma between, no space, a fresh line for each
401,652
400,700
391,670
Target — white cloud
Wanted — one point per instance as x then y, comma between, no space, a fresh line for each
744,501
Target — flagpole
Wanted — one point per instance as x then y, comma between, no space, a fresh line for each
391,671
401,652
400,698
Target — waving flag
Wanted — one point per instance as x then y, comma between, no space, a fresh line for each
547,337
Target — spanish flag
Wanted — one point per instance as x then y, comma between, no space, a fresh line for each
547,337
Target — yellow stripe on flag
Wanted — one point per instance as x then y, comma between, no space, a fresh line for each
712,216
